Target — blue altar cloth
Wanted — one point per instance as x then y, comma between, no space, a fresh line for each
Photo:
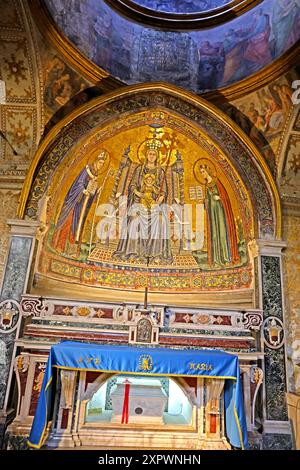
145,361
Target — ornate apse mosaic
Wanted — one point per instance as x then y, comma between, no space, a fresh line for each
199,120
165,210
134,195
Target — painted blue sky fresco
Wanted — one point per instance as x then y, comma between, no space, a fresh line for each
199,60
182,6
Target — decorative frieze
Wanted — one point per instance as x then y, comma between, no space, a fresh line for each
100,313
56,319
212,319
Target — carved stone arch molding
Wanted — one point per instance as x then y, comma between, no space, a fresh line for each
195,131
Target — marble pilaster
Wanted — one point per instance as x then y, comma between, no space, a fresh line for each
276,425
14,284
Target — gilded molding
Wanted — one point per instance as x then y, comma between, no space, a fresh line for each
181,21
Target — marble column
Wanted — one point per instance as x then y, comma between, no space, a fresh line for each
14,284
276,427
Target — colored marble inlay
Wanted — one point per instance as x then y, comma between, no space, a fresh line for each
16,268
12,288
275,373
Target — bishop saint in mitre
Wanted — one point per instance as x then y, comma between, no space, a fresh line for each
77,203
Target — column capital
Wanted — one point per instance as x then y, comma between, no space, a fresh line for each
271,247
23,227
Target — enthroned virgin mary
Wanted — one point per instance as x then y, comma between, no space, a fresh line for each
145,230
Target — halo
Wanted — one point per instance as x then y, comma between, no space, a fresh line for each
106,160
210,167
142,149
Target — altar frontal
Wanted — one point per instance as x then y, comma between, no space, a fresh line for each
69,355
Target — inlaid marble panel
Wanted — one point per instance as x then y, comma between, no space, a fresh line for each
6,350
16,268
275,373
12,288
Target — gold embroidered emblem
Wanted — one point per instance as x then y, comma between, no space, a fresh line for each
145,362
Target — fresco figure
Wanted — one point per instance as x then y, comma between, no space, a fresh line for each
77,203
134,52
222,246
284,93
145,232
258,49
234,47
211,65
285,25
100,31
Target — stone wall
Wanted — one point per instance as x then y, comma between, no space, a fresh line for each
291,266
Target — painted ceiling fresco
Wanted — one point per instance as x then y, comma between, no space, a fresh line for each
198,60
182,6
145,200
264,114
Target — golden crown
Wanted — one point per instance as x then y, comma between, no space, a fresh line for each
153,144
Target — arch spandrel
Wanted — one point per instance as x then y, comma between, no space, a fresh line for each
192,137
